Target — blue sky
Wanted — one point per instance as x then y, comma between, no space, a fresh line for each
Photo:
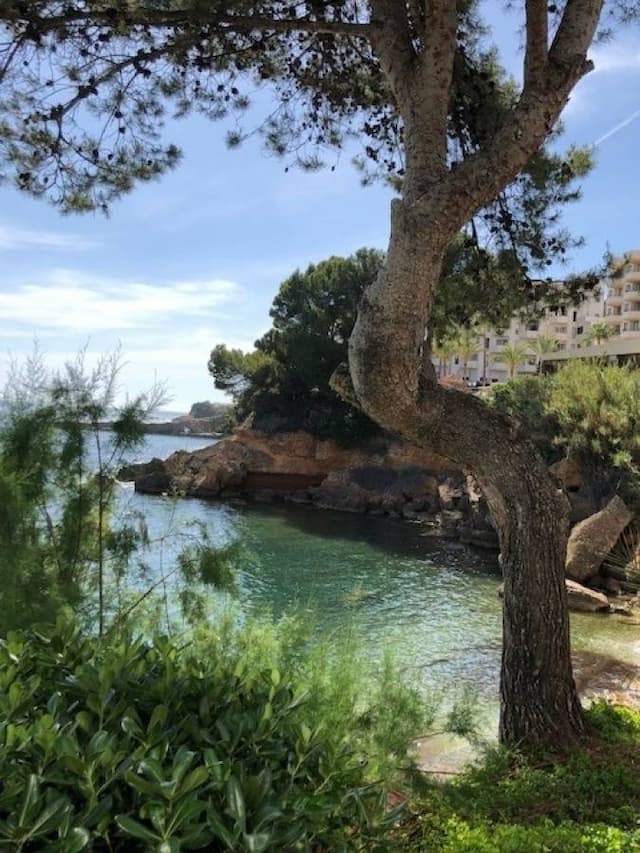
195,259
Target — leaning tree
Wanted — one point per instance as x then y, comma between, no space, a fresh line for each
85,87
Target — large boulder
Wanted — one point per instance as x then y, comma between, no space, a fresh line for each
591,541
134,470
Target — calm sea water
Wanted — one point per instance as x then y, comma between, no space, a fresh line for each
434,602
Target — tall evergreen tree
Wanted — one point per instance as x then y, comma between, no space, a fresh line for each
85,87
284,382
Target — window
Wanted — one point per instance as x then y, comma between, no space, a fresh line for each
580,330
561,346
561,330
575,316
502,342
532,327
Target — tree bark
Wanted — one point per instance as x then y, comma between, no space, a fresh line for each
391,377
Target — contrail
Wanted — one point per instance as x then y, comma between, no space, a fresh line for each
615,129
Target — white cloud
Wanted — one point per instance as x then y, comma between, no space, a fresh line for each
22,238
74,302
615,58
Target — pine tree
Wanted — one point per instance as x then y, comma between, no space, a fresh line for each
438,119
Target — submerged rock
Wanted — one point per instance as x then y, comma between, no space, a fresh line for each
586,600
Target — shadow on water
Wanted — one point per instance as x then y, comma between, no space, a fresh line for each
400,539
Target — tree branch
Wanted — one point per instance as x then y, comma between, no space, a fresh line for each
477,180
574,35
177,18
436,67
537,29
391,40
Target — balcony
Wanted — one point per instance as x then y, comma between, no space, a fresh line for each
615,297
632,275
632,292
633,314
634,256
613,319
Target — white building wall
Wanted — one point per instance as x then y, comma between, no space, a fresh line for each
568,325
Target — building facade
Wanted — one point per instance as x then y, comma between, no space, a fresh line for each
622,311
615,302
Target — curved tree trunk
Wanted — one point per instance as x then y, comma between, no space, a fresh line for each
391,377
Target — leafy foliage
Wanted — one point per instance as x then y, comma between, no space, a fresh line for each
526,398
587,800
285,381
56,538
123,744
66,543
587,409
513,355
599,332
86,92
598,412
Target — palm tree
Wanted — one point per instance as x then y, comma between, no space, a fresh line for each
466,347
513,355
543,345
444,350
598,332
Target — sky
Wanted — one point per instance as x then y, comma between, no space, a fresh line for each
195,259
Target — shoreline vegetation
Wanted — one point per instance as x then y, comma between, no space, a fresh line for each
243,735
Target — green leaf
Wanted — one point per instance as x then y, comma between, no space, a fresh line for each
158,718
30,798
256,842
131,727
136,829
219,829
186,813
235,800
143,786
76,840
195,779
85,721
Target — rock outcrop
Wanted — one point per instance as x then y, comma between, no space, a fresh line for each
384,478
591,540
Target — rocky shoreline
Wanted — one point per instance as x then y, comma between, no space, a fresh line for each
390,478
386,479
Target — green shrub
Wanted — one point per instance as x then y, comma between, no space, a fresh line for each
587,410
526,398
121,744
597,408
586,800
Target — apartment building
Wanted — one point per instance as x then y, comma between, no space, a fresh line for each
616,301
622,310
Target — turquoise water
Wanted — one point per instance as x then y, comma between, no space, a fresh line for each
434,602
